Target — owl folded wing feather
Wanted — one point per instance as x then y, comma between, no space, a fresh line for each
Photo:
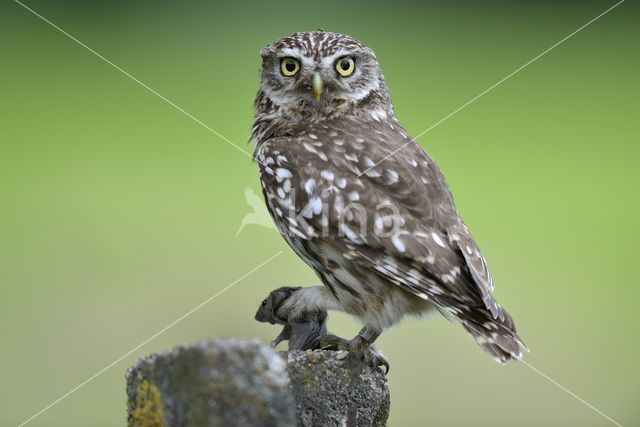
322,187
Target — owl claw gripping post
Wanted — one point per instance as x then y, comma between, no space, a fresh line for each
362,203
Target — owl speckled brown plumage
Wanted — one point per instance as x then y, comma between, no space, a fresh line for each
379,227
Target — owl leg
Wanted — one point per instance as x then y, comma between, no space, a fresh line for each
361,346
369,334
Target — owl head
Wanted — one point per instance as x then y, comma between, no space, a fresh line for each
317,75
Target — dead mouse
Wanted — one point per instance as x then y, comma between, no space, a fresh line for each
303,334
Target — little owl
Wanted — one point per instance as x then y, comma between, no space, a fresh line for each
361,202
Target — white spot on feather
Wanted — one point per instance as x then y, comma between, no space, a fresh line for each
282,174
437,239
351,157
350,234
447,278
393,176
378,115
310,185
327,174
316,205
398,243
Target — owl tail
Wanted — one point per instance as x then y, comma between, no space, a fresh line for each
496,336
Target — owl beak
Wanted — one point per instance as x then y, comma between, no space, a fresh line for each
317,86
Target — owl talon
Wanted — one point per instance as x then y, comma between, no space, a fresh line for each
335,343
368,354
359,347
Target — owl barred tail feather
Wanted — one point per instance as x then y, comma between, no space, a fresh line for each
496,337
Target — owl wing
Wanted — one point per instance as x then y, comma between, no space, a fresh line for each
397,217
333,181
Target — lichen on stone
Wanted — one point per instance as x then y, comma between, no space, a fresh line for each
147,410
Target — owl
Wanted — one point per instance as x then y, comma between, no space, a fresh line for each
362,203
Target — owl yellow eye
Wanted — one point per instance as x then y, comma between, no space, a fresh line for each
345,66
289,66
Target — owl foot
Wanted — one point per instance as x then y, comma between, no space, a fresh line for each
359,347
334,342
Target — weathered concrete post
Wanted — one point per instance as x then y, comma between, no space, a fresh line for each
243,382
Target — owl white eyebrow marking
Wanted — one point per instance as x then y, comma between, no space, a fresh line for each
305,61
498,83
329,60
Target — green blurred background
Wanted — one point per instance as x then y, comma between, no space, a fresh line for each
118,213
